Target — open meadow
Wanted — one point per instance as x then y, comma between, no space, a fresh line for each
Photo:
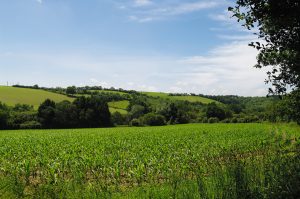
179,161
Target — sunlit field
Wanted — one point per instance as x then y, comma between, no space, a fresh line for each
180,161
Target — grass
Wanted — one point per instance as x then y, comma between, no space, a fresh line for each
181,161
183,98
12,96
107,91
118,106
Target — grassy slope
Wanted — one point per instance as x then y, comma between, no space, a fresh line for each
105,91
12,96
118,106
184,98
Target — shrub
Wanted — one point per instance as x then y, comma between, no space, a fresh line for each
31,125
213,120
204,120
152,119
4,115
226,121
118,119
135,122
234,120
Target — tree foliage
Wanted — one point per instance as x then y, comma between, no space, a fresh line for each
278,23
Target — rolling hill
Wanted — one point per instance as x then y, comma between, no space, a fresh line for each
118,106
14,95
34,97
183,98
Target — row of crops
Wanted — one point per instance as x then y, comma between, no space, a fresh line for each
181,161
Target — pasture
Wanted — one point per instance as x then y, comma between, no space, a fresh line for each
12,96
118,106
180,161
181,98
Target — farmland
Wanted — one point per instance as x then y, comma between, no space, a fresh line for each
119,106
180,161
34,97
188,98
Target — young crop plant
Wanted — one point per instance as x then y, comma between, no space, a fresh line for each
179,161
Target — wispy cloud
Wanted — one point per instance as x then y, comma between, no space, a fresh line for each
39,1
164,9
143,2
226,69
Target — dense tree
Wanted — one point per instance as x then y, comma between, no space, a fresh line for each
46,113
118,119
214,111
294,104
20,119
278,23
152,119
84,112
137,111
93,112
66,115
178,112
141,101
71,90
4,115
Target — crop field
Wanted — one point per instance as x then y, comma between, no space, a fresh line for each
12,96
180,161
183,98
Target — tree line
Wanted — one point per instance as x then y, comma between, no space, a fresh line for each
143,110
84,112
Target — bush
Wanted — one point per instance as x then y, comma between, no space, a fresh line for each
31,125
204,120
226,121
118,119
135,122
234,120
152,119
213,120
4,115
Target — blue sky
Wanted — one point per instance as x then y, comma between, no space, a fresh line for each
151,45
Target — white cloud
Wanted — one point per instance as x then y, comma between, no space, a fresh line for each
226,69
141,19
188,8
165,9
143,2
40,1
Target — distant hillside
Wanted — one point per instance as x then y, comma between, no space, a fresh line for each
183,98
118,106
13,95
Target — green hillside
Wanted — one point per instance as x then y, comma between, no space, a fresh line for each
13,95
183,98
108,91
118,106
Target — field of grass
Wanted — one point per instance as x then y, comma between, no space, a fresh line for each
183,98
118,106
12,96
181,161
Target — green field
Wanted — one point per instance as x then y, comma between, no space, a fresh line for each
183,98
118,106
108,91
12,96
181,161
